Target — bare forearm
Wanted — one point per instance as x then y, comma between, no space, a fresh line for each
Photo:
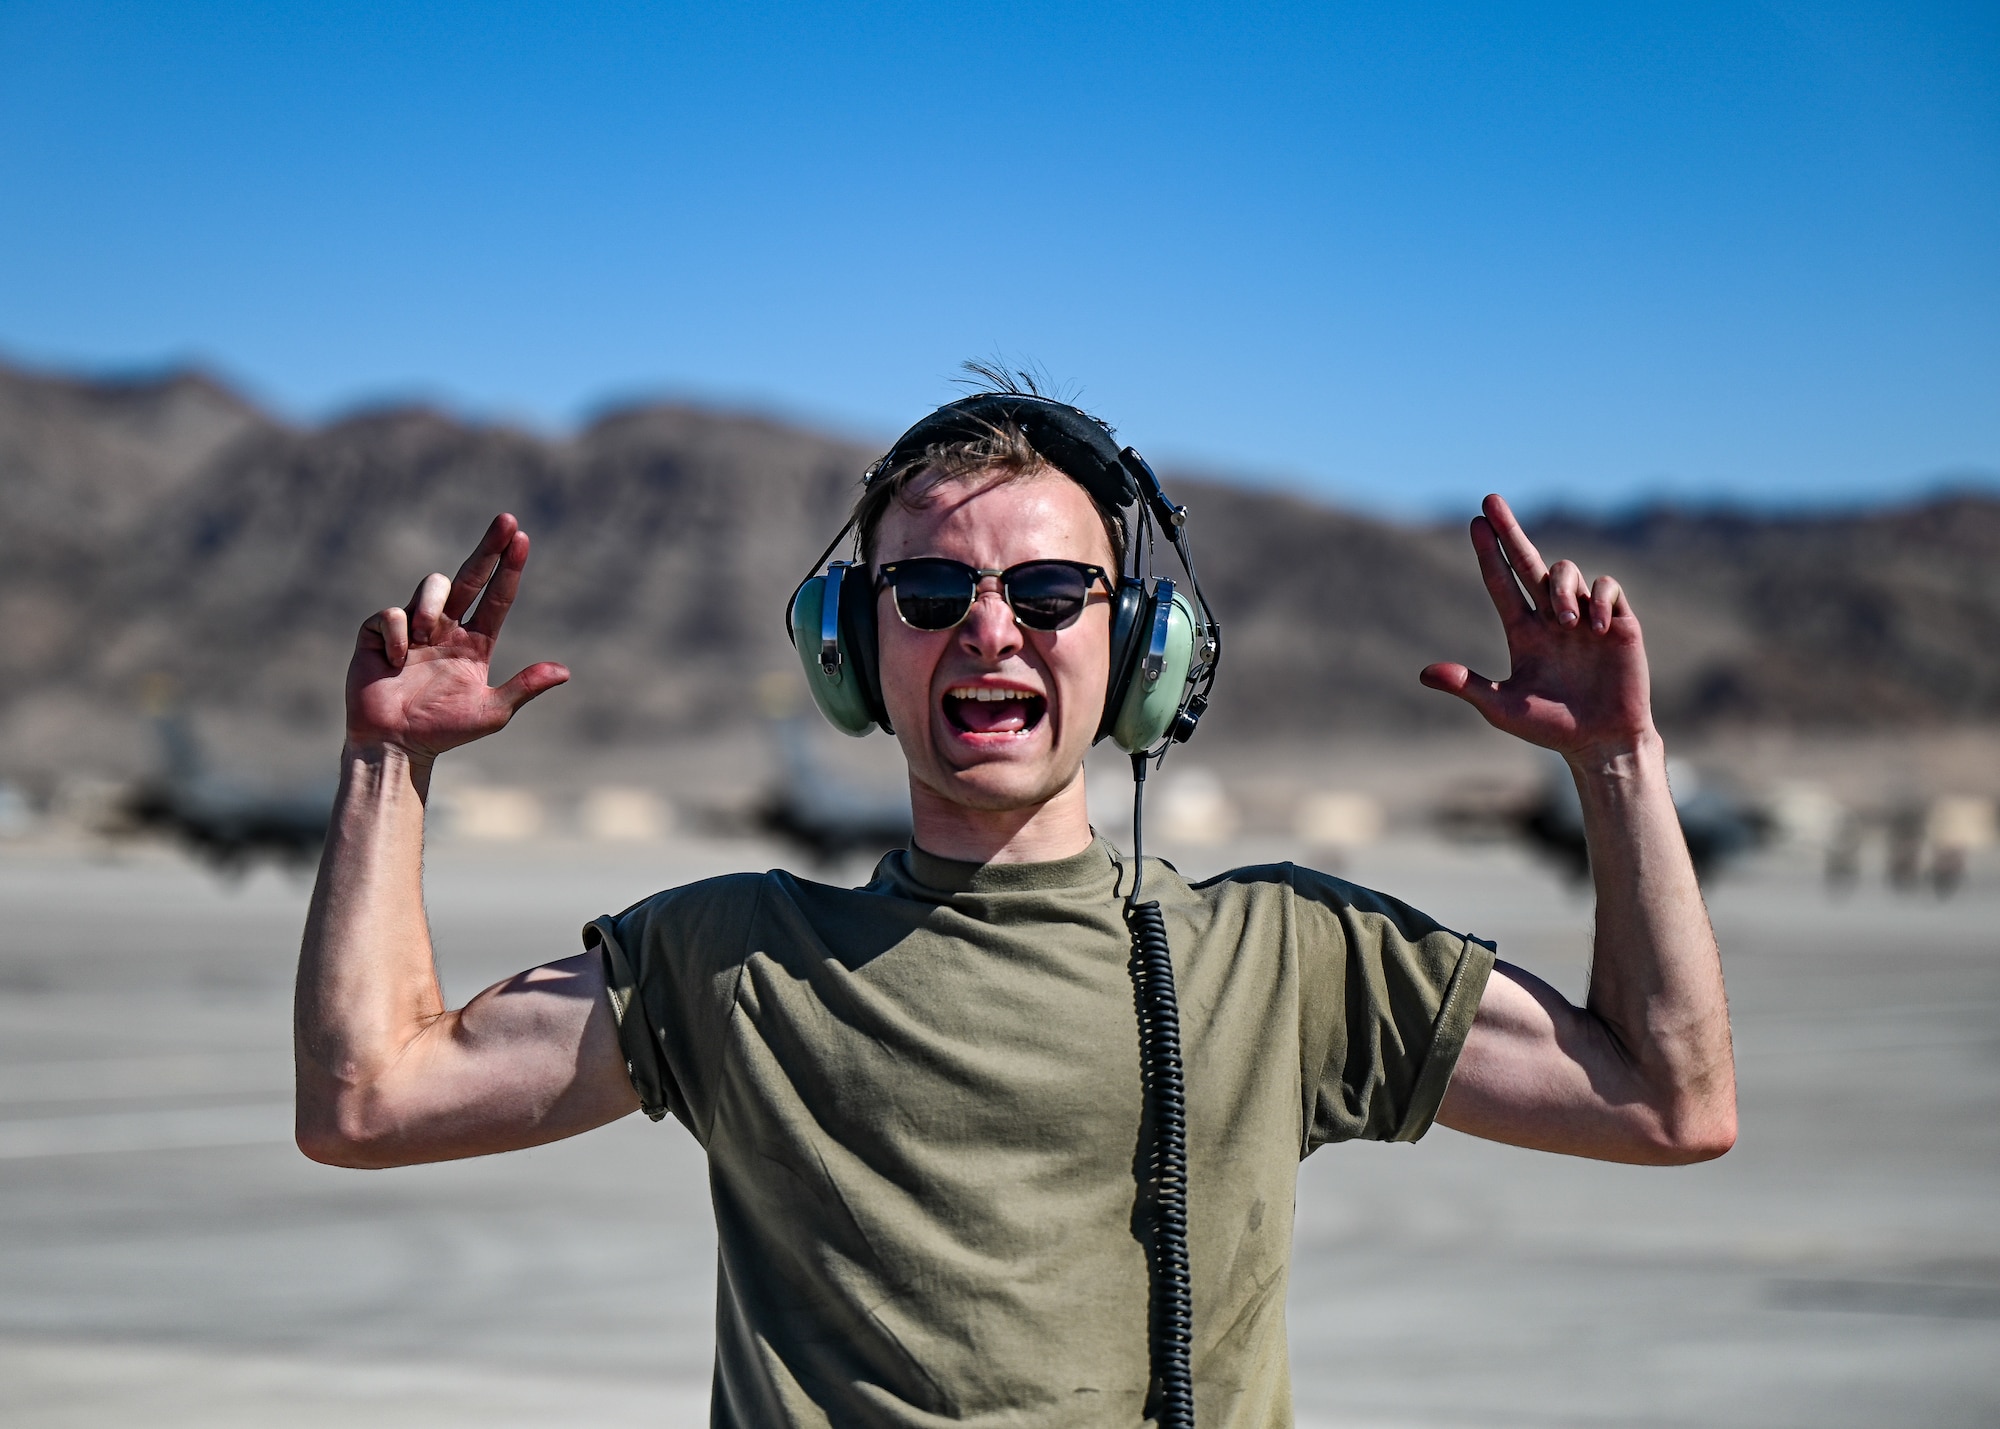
386,1075
1656,978
1643,1071
367,986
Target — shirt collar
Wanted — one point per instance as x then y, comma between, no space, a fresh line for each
950,875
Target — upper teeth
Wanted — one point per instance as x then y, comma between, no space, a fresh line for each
988,693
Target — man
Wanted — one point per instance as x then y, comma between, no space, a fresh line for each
920,1100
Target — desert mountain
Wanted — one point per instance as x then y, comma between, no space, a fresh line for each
167,527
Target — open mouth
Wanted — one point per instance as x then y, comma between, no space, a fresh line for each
988,709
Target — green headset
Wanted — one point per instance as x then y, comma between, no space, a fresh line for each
1165,646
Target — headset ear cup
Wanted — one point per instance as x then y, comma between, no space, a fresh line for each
859,639
840,695
1128,624
1149,707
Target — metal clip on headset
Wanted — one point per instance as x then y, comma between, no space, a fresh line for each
829,618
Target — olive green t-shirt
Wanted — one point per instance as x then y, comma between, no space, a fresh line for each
921,1105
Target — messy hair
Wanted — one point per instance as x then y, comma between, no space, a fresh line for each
1002,452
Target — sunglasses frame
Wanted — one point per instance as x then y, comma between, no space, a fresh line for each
1092,576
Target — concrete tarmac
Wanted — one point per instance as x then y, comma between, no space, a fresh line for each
168,1258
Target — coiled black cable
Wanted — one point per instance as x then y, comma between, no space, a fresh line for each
1172,1310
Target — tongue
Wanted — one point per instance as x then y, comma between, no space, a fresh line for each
992,716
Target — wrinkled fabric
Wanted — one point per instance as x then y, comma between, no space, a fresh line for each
922,1110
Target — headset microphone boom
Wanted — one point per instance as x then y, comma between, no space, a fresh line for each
1165,649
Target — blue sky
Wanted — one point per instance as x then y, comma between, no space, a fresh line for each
1397,255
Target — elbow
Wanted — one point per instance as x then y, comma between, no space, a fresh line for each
1689,1116
318,1145
1663,1146
1719,1135
1705,1145
342,1135
1696,1134
330,1148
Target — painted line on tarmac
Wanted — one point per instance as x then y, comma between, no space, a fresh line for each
176,1129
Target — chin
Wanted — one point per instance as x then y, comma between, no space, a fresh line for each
1000,785
1015,789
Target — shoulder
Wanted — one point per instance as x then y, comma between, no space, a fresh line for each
1291,880
1315,897
709,917
1364,904
727,890
719,914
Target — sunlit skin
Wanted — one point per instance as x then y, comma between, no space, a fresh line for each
389,1075
418,677
1011,795
1643,1071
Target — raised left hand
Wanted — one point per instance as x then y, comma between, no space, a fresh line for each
1577,680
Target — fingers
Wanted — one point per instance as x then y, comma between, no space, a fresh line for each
1445,676
1454,679
1607,599
1507,595
427,608
506,581
1565,594
536,679
494,568
478,567
1521,552
389,629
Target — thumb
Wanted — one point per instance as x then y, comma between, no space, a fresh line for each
1454,679
544,675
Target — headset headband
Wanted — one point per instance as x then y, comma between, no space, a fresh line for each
1068,438
1072,441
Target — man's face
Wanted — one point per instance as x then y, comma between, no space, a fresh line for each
1023,749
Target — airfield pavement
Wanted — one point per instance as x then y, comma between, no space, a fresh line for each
168,1258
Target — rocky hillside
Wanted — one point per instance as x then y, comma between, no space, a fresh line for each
168,528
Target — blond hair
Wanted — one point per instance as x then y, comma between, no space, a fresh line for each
1002,452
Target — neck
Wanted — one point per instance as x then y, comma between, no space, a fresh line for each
1040,833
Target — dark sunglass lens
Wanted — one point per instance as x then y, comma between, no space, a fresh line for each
1047,595
932,597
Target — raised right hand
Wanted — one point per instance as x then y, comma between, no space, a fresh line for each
1578,681
418,677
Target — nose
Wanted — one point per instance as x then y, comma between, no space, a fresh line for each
989,632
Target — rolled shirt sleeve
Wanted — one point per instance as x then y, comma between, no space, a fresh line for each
671,965
1388,999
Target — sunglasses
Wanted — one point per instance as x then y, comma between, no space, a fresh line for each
933,593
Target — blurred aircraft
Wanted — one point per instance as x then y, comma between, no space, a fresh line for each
1925,842
228,821
824,815
1718,824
